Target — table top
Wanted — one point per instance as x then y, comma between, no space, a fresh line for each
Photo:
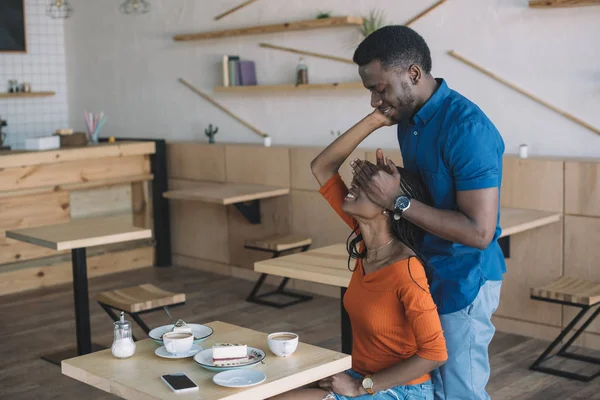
329,265
139,376
227,193
79,233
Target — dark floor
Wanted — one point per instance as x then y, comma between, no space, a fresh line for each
41,322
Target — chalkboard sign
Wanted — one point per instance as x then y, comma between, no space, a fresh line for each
12,26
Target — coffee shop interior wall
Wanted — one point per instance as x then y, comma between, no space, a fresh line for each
128,66
43,66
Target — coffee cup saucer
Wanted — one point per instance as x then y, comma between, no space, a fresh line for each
162,352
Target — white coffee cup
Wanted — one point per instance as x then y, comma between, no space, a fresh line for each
283,344
178,342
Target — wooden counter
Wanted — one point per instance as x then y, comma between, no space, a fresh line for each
39,188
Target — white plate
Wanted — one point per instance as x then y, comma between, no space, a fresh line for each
239,378
162,352
200,332
204,359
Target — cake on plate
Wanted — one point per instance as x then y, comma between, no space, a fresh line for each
229,354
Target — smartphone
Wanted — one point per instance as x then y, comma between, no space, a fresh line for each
179,383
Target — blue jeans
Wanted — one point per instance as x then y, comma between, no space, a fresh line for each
468,332
422,391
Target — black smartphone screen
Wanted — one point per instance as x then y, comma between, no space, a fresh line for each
179,381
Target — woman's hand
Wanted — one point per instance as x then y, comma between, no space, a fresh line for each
381,118
343,384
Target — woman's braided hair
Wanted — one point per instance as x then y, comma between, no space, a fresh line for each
405,231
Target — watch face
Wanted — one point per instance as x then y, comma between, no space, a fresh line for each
367,383
402,203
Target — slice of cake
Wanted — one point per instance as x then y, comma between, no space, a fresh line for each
229,354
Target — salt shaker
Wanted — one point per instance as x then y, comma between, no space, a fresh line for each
123,345
523,151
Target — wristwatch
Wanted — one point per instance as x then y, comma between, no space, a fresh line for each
367,384
401,204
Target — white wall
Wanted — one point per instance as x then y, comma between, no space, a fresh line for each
43,66
128,67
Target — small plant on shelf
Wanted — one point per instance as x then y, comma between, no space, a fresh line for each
211,132
373,22
323,14
2,134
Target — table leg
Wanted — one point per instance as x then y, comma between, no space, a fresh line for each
346,327
82,312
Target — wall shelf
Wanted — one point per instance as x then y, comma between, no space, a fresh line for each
563,3
28,94
285,27
289,87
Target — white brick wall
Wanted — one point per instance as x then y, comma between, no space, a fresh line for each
43,66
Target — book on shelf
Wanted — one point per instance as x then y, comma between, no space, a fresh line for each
237,72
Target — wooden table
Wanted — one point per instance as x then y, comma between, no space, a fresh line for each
244,196
76,236
139,376
329,265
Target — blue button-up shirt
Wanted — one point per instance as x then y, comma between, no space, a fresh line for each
453,146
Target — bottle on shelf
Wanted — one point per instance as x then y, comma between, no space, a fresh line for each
301,72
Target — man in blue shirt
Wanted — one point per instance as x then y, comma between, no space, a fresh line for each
457,152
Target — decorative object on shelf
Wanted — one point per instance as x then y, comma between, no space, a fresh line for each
234,9
335,133
94,123
525,93
424,12
59,9
301,72
26,87
523,151
211,132
3,123
267,140
76,139
112,139
135,7
306,53
373,22
219,106
13,86
563,3
323,14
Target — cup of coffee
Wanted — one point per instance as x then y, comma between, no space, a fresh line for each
283,344
178,342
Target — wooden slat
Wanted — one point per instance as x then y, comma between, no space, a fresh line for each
234,9
301,175
196,161
18,158
100,201
226,193
424,13
198,229
56,273
26,95
290,87
79,186
572,290
532,184
140,298
514,220
582,188
82,171
260,165
279,242
306,53
562,3
285,27
80,233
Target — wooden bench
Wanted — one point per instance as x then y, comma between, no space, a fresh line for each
276,245
138,300
576,293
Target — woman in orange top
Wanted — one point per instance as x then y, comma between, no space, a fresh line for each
397,335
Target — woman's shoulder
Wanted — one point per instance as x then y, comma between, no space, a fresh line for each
409,269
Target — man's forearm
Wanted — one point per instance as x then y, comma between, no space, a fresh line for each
450,225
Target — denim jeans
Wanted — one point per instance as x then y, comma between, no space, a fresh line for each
468,333
422,391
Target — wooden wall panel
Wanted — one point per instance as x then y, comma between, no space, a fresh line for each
312,216
582,255
301,175
141,205
197,229
101,201
260,165
534,184
394,154
275,218
73,172
196,161
582,188
535,259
